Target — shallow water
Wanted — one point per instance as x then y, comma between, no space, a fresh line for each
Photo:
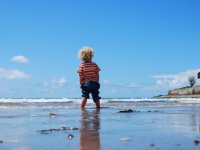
164,128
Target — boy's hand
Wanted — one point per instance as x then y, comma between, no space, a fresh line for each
81,86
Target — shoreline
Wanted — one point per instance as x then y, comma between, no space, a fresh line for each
176,96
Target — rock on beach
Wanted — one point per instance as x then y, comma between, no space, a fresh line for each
128,111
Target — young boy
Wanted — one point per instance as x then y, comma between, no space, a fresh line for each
89,77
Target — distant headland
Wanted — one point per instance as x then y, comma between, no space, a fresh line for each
185,92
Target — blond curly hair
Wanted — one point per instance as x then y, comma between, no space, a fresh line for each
86,54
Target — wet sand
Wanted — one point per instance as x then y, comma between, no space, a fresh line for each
157,128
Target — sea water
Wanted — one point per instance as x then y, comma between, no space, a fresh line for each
23,103
165,123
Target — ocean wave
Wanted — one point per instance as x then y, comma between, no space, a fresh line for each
6,103
34,100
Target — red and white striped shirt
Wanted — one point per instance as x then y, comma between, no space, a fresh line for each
88,71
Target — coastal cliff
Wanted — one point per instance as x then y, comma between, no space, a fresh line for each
185,92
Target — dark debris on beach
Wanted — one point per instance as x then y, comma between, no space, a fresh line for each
128,111
52,114
48,131
134,111
152,145
196,142
153,111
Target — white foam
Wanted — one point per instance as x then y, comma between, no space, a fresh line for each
42,100
186,100
9,103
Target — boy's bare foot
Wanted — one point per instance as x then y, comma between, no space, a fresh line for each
83,103
97,104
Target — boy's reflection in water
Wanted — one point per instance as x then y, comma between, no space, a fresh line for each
89,130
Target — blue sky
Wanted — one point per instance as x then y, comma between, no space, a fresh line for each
144,48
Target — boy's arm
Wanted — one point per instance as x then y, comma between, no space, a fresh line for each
97,72
80,71
98,76
81,80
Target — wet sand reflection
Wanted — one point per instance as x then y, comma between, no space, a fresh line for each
89,130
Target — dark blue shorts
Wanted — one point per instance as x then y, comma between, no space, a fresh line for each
91,87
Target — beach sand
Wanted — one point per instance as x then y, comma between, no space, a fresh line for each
161,128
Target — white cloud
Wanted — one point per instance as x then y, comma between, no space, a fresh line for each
169,81
13,74
3,89
106,82
60,82
163,83
20,59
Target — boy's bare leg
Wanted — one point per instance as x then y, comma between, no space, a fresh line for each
97,102
84,101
